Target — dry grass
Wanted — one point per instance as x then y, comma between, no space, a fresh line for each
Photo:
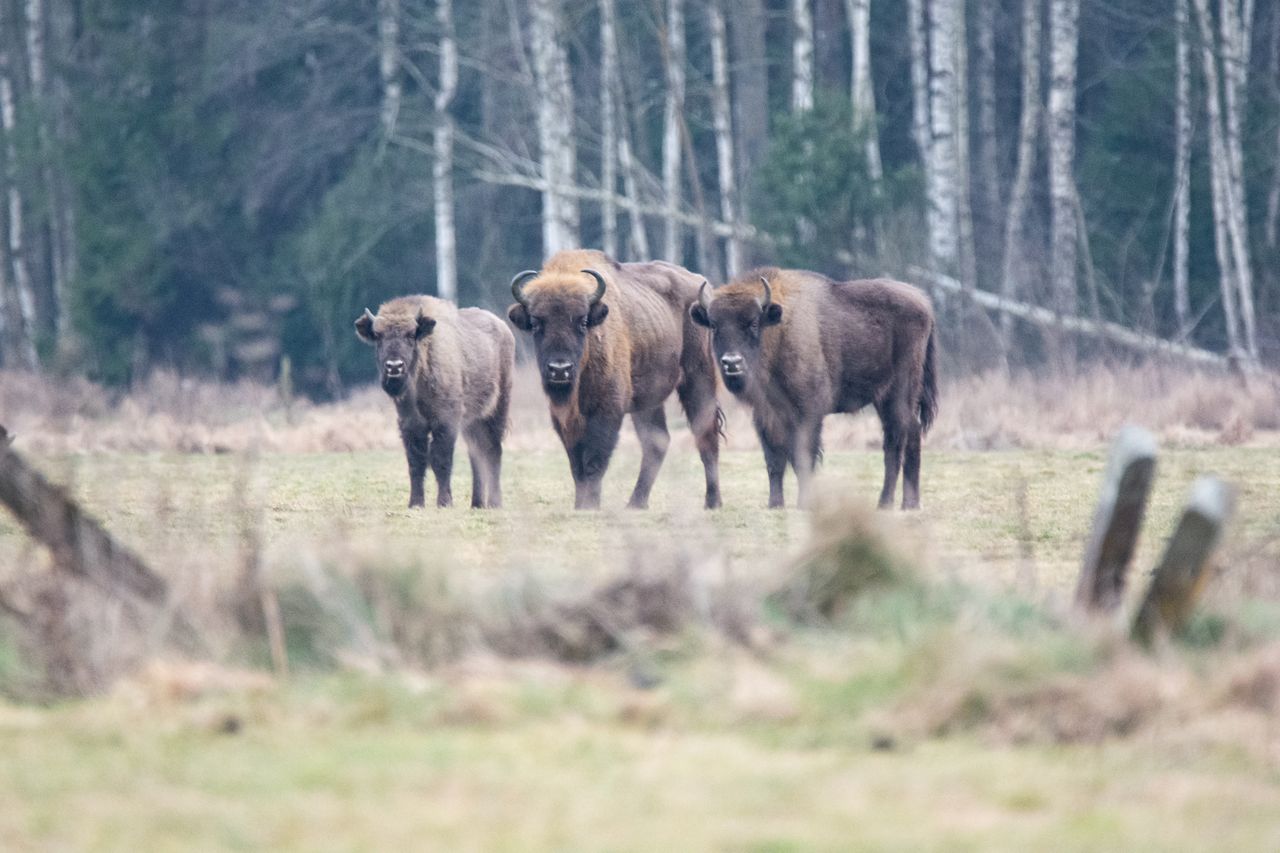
984,412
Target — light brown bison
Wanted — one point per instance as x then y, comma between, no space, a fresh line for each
797,346
613,339
448,371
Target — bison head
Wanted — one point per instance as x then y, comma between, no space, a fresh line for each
395,342
558,318
736,321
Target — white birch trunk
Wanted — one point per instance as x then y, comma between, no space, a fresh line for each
1028,145
442,165
1182,173
671,142
801,56
1219,172
555,129
23,294
861,90
1063,41
942,177
639,236
609,125
917,37
987,168
722,120
1236,25
389,63
963,172
36,68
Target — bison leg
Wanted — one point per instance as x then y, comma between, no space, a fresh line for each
589,459
484,445
804,458
651,429
893,440
416,445
775,463
443,439
705,419
911,469
477,477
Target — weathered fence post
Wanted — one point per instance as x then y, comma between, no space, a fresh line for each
1181,576
1117,521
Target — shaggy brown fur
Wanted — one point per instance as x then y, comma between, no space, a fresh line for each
448,371
817,347
623,354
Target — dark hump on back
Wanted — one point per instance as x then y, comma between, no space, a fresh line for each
887,294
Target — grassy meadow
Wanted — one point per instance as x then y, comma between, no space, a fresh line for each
955,705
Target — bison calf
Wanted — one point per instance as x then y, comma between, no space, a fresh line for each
448,371
797,346
613,339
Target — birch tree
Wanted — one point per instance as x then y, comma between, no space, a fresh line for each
674,61
39,91
1236,26
1063,40
723,122
388,63
609,126
860,89
557,151
801,56
1028,145
24,331
987,167
750,87
442,164
941,173
918,40
1182,171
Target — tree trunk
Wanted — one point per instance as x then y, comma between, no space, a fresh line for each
674,57
36,65
750,85
609,126
987,168
555,129
24,333
723,123
943,177
1063,41
1182,174
964,191
1028,145
801,56
862,93
917,37
442,165
1236,26
389,63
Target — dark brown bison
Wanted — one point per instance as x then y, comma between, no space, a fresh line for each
448,371
613,339
797,346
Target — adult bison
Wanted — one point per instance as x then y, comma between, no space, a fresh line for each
797,346
448,371
613,339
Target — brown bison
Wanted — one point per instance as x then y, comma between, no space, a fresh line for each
797,346
448,371
613,339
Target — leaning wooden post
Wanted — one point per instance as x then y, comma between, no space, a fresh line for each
1117,521
78,543
1182,574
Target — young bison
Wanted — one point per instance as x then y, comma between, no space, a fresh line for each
613,339
448,371
797,346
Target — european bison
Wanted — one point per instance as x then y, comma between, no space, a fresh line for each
448,371
613,339
797,346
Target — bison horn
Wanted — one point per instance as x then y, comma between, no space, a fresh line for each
704,296
599,294
517,285
768,293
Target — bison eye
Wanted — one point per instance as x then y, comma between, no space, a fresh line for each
581,322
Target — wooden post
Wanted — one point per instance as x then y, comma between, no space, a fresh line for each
1181,576
1117,521
79,544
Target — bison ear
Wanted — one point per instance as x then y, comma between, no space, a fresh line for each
596,314
364,327
425,326
772,315
519,317
699,315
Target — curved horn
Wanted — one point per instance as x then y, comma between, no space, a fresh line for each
599,294
368,315
704,296
517,285
768,293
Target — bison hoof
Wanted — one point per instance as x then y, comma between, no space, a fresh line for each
713,502
416,503
637,504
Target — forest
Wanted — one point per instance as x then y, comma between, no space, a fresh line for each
221,186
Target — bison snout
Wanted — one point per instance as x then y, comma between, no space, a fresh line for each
394,368
559,372
732,365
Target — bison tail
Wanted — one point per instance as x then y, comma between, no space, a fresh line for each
929,397
721,422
